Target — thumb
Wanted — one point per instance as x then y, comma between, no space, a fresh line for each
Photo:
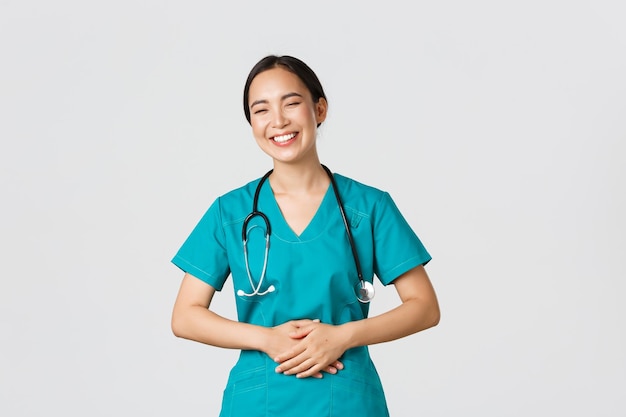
304,322
304,329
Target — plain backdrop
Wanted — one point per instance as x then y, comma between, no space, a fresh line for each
497,127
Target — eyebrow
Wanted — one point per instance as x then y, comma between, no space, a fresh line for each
285,97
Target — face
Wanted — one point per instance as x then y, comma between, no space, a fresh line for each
283,116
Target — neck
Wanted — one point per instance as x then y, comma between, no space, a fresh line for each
288,178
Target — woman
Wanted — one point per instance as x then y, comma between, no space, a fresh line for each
301,288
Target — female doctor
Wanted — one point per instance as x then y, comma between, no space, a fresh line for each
302,245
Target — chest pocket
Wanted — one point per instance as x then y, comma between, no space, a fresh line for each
354,217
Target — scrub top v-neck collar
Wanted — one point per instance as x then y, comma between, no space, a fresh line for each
280,227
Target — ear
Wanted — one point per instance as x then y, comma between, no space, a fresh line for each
321,109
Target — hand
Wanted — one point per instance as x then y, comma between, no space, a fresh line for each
286,336
318,349
280,339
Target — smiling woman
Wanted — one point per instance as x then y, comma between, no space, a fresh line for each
284,115
302,263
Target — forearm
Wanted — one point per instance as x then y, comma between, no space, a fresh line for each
323,343
410,317
202,325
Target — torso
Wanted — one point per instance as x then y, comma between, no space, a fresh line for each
311,266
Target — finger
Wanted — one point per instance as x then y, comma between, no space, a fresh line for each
288,355
309,372
303,322
301,332
330,370
286,367
288,362
334,367
296,365
285,356
306,369
318,375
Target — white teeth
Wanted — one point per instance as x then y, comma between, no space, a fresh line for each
284,138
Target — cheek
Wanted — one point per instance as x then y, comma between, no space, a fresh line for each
258,130
307,115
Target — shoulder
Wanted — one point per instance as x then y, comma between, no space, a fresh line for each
359,196
236,203
241,193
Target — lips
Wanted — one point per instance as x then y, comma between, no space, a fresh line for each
284,138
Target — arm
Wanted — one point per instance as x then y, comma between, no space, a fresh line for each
419,311
192,319
325,343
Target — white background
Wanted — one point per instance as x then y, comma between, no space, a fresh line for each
498,128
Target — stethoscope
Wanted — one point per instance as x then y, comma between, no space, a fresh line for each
364,289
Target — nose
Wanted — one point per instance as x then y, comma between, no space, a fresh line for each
279,120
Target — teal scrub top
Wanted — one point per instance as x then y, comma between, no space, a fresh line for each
314,276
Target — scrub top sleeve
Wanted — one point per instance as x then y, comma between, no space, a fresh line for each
397,249
203,254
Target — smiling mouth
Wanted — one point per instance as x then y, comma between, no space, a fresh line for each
284,138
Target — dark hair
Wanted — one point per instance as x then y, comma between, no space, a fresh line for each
291,64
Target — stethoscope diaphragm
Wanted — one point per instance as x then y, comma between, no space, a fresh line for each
364,291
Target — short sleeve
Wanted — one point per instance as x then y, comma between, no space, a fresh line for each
203,254
397,249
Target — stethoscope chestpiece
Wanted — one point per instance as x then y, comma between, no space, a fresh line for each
242,293
365,291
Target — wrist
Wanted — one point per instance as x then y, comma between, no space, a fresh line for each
348,331
263,339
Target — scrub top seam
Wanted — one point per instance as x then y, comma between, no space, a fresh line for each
300,241
391,272
235,222
357,212
188,265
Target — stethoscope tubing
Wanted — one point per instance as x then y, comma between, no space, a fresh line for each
365,290
255,211
355,255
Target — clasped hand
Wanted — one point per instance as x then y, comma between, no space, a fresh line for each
307,348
